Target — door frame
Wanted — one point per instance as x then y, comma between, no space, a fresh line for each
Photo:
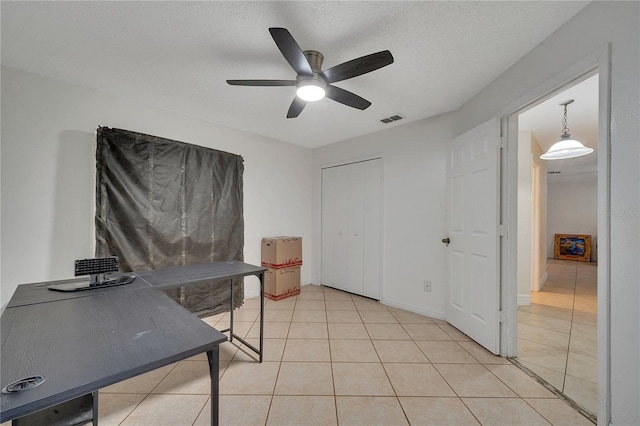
597,62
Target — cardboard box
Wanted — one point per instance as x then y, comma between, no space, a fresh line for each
282,282
281,252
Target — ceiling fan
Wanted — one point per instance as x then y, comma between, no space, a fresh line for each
312,83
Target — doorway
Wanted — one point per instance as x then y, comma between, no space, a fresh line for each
557,299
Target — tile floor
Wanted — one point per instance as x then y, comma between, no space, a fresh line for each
334,358
557,333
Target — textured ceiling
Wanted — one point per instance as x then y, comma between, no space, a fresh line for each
177,55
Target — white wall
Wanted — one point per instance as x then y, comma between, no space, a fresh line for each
587,33
48,166
414,208
573,209
525,230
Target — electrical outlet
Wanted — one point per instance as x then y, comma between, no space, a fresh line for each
427,285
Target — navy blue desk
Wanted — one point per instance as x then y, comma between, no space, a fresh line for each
83,341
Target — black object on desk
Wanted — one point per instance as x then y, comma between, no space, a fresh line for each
80,342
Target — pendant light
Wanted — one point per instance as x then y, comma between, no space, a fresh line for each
566,147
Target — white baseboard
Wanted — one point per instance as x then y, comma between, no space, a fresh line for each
524,299
414,309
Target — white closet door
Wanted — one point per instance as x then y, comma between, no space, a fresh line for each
352,227
373,229
355,277
341,231
328,227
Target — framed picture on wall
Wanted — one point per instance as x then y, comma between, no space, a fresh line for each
573,247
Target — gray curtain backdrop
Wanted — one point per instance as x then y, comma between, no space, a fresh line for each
163,203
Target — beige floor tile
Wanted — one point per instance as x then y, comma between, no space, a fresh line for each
353,351
364,304
472,380
377,317
310,304
437,411
245,315
445,352
583,367
114,408
308,330
347,331
558,412
483,355
309,315
302,410
583,392
399,351
454,333
417,380
143,383
311,295
585,346
562,301
304,378
288,303
227,350
331,294
549,311
504,411
340,305
251,303
306,350
343,316
237,410
361,379
273,349
520,382
544,321
542,355
278,314
189,377
240,328
271,330
249,378
585,318
386,332
554,378
166,410
369,410
545,336
405,317
426,332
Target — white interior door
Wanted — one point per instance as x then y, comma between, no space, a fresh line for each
473,229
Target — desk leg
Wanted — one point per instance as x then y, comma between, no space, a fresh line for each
231,313
95,408
214,364
261,314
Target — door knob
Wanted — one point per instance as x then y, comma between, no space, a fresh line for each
446,240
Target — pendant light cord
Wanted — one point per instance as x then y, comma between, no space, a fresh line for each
565,129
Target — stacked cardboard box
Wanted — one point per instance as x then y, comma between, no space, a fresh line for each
283,258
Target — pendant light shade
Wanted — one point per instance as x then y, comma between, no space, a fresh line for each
566,147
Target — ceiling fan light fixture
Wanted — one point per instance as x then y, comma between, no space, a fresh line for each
311,90
566,147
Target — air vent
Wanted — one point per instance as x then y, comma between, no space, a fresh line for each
392,118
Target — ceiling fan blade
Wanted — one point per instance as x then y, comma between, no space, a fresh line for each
262,82
291,51
296,107
347,98
358,66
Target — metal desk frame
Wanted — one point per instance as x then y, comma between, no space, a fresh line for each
215,271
